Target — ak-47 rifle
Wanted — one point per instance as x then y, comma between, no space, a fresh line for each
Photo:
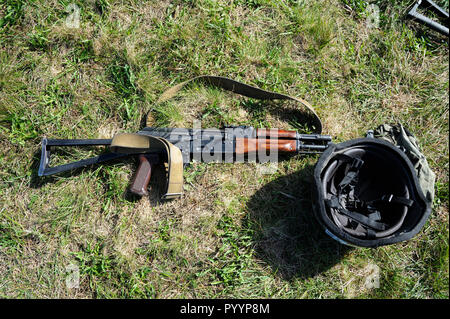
178,146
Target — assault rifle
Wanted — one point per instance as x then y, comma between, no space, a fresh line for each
178,147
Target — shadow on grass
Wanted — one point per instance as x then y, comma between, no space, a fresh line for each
286,233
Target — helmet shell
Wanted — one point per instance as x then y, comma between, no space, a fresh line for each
386,170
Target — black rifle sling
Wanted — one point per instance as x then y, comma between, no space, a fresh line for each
242,89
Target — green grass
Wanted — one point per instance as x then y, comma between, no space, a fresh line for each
237,233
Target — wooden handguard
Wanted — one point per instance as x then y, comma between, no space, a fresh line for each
142,176
275,133
249,145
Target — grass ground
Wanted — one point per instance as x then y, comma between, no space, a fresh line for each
237,232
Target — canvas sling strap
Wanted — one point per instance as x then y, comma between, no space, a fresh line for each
131,143
136,143
245,90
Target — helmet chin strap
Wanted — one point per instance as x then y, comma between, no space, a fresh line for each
346,198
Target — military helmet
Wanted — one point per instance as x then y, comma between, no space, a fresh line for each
367,193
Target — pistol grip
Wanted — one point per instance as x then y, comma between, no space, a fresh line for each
142,176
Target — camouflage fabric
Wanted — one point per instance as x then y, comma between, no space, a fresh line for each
401,137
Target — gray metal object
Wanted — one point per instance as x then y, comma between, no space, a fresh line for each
47,144
429,5
219,144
